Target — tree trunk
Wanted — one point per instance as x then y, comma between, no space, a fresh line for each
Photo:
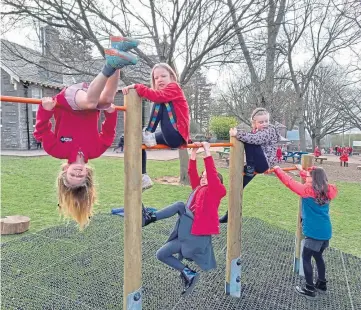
302,133
183,159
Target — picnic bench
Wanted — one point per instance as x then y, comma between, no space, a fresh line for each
296,156
224,153
320,158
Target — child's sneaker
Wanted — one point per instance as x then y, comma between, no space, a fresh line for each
149,138
117,59
148,217
308,291
146,182
249,171
321,286
123,44
190,279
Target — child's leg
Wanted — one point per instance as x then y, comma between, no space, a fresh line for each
109,91
166,252
307,265
320,263
177,207
154,118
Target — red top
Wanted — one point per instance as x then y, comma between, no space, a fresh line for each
74,131
206,199
344,156
303,190
171,93
317,152
279,153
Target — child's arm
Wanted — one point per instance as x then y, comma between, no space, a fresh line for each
192,169
171,92
107,134
43,132
214,183
297,187
258,137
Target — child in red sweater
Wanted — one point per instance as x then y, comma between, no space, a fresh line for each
197,222
279,154
76,137
344,158
170,109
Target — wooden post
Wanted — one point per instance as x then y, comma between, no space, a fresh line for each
235,194
132,203
307,161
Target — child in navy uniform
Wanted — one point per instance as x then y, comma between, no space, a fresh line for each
260,146
197,222
316,195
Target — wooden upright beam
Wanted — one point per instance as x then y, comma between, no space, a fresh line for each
235,194
132,203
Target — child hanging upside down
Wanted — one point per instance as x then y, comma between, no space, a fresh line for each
170,108
197,222
76,136
316,196
260,146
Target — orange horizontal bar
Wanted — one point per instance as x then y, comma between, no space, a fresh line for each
188,146
284,169
37,101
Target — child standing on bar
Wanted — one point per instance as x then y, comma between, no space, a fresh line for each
170,108
197,221
76,137
260,146
316,195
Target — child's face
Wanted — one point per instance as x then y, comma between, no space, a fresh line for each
204,180
261,122
76,174
161,78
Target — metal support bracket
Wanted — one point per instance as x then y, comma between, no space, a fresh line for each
134,300
234,287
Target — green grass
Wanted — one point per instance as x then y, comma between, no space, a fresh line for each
28,188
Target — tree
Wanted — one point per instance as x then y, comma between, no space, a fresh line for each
220,126
322,31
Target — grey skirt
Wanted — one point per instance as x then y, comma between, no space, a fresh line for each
316,245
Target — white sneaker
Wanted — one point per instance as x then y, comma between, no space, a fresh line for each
146,182
149,139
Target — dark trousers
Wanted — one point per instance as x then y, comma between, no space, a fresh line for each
166,252
255,158
168,134
307,255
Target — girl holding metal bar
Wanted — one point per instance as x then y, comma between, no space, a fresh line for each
170,109
316,195
260,146
76,136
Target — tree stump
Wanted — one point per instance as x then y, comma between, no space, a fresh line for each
14,224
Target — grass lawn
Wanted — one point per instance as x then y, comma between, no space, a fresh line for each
28,188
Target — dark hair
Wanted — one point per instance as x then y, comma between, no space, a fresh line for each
220,177
320,185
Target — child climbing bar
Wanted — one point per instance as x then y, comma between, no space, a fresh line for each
76,137
197,221
316,195
170,108
260,146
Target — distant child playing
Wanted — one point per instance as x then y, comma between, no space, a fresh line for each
76,136
316,195
170,108
260,146
197,221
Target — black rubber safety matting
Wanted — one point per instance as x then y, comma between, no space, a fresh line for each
62,268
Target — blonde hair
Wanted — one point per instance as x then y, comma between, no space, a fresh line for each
77,201
164,66
256,112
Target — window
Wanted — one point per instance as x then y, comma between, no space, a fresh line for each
36,92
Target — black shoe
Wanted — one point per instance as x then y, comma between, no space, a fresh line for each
148,217
249,171
308,291
224,218
189,278
321,286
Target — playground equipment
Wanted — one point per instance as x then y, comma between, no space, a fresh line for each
132,291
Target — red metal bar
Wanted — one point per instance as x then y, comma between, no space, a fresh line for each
188,146
36,101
